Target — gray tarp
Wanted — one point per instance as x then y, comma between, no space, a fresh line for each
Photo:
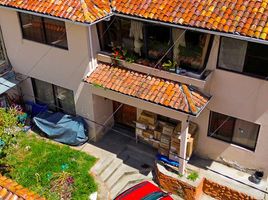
62,128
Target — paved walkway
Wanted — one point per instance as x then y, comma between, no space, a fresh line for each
122,163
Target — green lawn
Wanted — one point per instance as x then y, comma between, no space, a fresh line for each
53,171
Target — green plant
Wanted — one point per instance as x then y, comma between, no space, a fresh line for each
169,65
131,58
48,168
193,176
180,175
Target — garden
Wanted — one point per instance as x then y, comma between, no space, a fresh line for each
52,170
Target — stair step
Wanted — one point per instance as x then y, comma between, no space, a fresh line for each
101,165
110,169
124,181
118,174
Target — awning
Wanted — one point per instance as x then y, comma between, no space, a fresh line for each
9,80
163,92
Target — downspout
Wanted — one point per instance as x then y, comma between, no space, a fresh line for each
92,61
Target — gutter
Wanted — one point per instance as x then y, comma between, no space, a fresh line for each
230,35
56,18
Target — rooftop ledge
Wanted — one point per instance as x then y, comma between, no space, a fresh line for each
197,82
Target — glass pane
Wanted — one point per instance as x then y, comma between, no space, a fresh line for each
257,60
158,40
221,126
245,133
44,93
55,33
65,99
232,54
192,50
32,27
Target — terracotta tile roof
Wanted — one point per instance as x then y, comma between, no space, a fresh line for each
242,17
10,190
164,92
86,11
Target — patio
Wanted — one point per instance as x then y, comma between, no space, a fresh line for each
121,144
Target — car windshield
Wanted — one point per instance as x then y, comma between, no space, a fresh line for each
154,196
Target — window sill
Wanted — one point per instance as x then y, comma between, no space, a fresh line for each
48,45
194,80
232,145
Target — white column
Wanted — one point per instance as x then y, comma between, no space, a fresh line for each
183,146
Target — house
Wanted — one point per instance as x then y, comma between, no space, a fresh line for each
215,71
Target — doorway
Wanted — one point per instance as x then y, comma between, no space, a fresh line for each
125,116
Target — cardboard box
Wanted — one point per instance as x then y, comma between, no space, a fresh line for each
139,131
168,129
177,129
164,146
148,117
148,134
157,134
163,152
141,125
155,143
165,139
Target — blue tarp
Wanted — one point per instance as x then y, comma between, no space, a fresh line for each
62,128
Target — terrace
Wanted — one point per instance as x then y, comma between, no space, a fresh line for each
176,54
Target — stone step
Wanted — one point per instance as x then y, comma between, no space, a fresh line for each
110,169
101,165
127,180
121,171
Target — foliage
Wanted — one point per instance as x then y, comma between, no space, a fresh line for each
122,54
48,168
8,130
193,176
169,65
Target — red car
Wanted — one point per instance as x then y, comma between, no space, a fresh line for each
144,191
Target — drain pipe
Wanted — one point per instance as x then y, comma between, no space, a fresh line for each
92,61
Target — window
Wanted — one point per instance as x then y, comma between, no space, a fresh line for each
232,130
158,41
193,51
43,30
57,98
146,43
244,57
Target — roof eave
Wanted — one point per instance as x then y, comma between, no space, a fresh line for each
56,18
230,35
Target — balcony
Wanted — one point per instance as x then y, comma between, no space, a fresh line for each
190,78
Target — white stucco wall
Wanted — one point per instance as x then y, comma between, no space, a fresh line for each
242,97
65,68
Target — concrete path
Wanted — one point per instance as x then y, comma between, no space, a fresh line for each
119,167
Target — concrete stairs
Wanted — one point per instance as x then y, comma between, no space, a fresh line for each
117,176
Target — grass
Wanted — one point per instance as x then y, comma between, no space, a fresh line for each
34,162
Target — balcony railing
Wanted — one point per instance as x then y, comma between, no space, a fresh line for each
187,77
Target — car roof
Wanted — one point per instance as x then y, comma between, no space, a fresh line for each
138,191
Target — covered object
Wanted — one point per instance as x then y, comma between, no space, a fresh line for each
62,128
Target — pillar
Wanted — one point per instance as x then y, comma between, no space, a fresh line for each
183,145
